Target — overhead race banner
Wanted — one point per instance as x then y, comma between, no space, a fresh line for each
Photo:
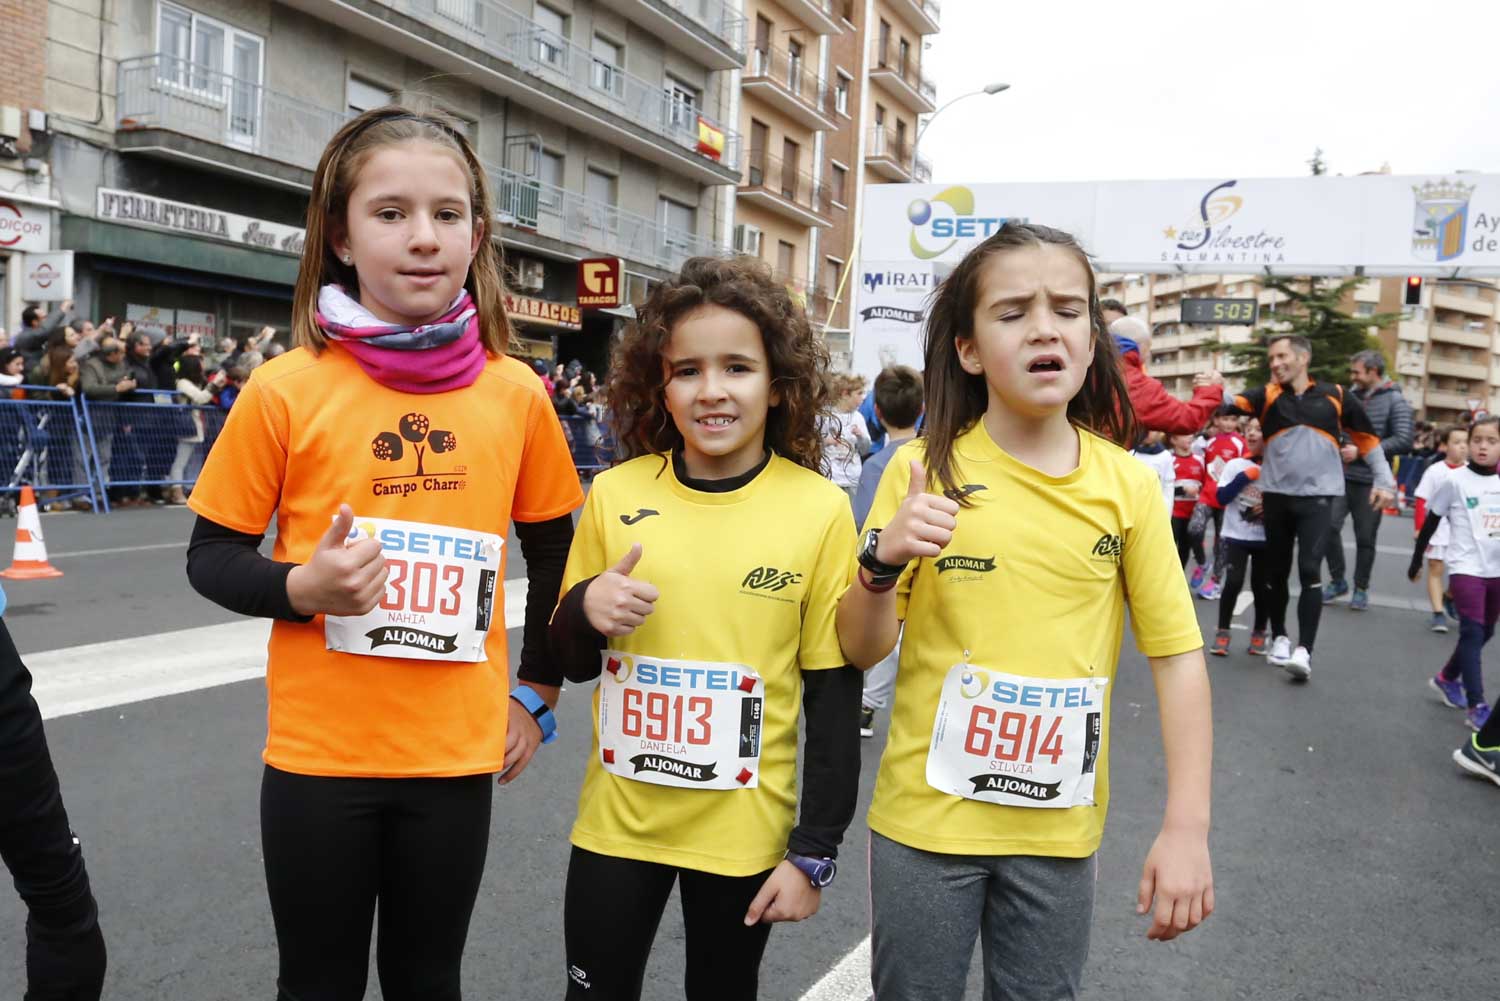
1437,226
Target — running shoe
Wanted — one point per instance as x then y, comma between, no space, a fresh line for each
1211,590
866,721
1449,608
1257,644
1439,622
1221,644
1196,581
1478,714
1334,590
1281,651
1360,601
1481,761
1299,664
1451,692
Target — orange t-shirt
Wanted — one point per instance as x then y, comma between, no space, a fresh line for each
310,432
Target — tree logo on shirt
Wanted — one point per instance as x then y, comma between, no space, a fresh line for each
1109,547
415,433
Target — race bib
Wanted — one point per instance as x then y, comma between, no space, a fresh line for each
1017,741
683,723
438,600
1484,516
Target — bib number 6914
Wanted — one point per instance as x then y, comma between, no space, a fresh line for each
1013,736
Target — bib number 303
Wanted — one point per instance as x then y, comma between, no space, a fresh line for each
689,724
439,598
1017,741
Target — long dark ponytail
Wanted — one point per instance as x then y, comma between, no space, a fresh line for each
956,399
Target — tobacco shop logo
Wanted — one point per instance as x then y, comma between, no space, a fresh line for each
1109,548
764,582
414,433
964,568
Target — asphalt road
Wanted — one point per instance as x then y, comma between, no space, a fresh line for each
1352,860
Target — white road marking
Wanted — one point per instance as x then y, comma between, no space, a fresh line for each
181,544
81,679
848,981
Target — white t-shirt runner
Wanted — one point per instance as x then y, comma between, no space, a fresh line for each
1433,477
1236,524
439,598
1470,503
1016,741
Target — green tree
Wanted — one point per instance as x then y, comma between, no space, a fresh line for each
1317,164
1313,308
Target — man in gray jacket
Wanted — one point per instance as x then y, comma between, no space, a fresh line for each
1391,415
106,378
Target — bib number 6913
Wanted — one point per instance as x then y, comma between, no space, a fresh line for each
658,716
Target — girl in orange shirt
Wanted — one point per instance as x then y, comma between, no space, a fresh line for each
394,447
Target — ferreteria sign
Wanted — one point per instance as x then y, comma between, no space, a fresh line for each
135,209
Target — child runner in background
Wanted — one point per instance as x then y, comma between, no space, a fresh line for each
1245,542
1154,453
1453,444
1469,499
1187,486
846,438
701,592
991,797
898,407
1225,445
394,447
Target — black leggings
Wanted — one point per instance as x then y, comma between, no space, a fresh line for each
334,846
1301,522
1185,543
1241,554
610,914
65,954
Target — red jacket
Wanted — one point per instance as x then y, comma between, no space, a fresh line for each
1158,410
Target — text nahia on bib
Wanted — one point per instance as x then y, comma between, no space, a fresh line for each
1016,741
684,723
439,598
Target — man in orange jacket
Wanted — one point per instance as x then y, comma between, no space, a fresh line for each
1155,408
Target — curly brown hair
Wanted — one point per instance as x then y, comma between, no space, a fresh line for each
799,362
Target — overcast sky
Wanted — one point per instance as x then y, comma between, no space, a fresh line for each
1136,89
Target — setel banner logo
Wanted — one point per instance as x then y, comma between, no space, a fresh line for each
938,225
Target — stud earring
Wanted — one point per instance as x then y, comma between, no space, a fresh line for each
348,259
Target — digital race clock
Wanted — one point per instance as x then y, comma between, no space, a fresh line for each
1216,311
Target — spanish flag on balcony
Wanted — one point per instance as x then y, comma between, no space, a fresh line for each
710,140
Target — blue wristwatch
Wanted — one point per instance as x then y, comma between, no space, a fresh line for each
819,871
539,710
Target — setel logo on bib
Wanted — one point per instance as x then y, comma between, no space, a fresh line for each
439,598
689,724
1017,741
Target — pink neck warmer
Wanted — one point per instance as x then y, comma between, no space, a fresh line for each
431,358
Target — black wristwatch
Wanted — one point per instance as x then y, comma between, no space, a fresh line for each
819,871
880,573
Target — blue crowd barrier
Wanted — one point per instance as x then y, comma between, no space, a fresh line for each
591,441
139,445
44,444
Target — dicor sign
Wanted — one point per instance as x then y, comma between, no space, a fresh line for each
1236,312
136,209
48,277
543,312
600,282
24,227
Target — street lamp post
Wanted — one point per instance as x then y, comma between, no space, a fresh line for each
993,88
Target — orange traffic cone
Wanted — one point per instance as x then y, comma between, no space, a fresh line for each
1393,509
30,561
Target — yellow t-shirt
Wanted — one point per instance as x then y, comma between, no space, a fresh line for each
1035,583
310,432
750,580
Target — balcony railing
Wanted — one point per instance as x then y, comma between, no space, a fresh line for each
506,35
165,92
908,70
526,203
887,145
718,17
792,75
782,178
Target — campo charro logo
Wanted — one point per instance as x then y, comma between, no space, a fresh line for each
1441,219
770,579
1212,238
958,222
416,430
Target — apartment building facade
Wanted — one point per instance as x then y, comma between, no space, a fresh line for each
181,138
1443,352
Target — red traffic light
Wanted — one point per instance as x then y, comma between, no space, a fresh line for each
1413,295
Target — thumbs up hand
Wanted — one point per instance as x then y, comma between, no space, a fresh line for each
616,603
339,578
923,524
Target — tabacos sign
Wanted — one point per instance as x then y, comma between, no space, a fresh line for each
600,282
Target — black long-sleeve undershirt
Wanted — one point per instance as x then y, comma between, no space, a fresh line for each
830,703
226,567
